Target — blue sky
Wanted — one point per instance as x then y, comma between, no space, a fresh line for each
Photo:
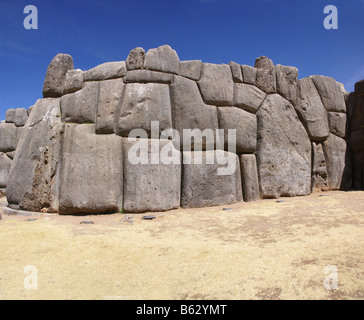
289,32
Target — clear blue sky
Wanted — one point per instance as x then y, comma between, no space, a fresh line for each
95,31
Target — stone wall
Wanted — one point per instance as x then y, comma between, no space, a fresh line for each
73,154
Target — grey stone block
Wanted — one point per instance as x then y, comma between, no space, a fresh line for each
8,137
105,71
266,75
153,185
249,74
163,59
217,85
21,116
249,177
73,81
146,76
319,171
135,59
201,184
245,125
191,69
10,116
110,98
56,74
248,97
81,106
236,71
337,124
287,81
284,150
5,164
91,175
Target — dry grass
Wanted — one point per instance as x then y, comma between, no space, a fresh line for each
262,250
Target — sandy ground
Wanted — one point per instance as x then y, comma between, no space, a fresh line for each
261,250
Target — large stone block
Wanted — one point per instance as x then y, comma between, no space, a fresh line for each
146,76
151,182
135,59
355,111
287,79
311,111
245,125
105,71
163,59
142,104
202,185
191,69
56,74
248,97
284,150
249,74
266,75
330,92
73,81
110,98
319,171
32,183
189,112
359,86
249,177
81,106
337,123
338,163
10,116
5,164
91,175
236,71
8,137
216,84
21,116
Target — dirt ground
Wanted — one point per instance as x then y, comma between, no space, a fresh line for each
261,250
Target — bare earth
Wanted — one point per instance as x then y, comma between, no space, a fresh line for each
261,250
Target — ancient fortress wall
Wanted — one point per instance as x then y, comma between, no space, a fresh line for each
74,155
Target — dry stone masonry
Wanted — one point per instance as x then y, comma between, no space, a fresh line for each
70,152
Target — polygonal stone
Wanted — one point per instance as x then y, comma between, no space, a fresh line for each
105,71
248,97
151,181
189,112
146,76
81,106
249,74
284,150
135,59
142,104
311,110
5,164
236,71
330,92
191,69
10,116
319,172
359,86
163,59
203,184
249,177
337,123
266,75
8,137
21,116
56,74
73,81
287,78
91,175
245,125
216,84
110,98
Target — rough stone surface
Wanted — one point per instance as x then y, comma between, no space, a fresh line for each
266,75
287,78
56,74
110,98
145,76
248,97
319,172
151,186
163,59
355,111
105,71
249,177
338,163
73,81
245,125
5,164
236,71
216,84
284,150
249,74
201,184
81,106
191,69
32,183
311,110
91,176
135,59
190,112
337,123
10,116
359,86
8,137
142,104
331,94
21,116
